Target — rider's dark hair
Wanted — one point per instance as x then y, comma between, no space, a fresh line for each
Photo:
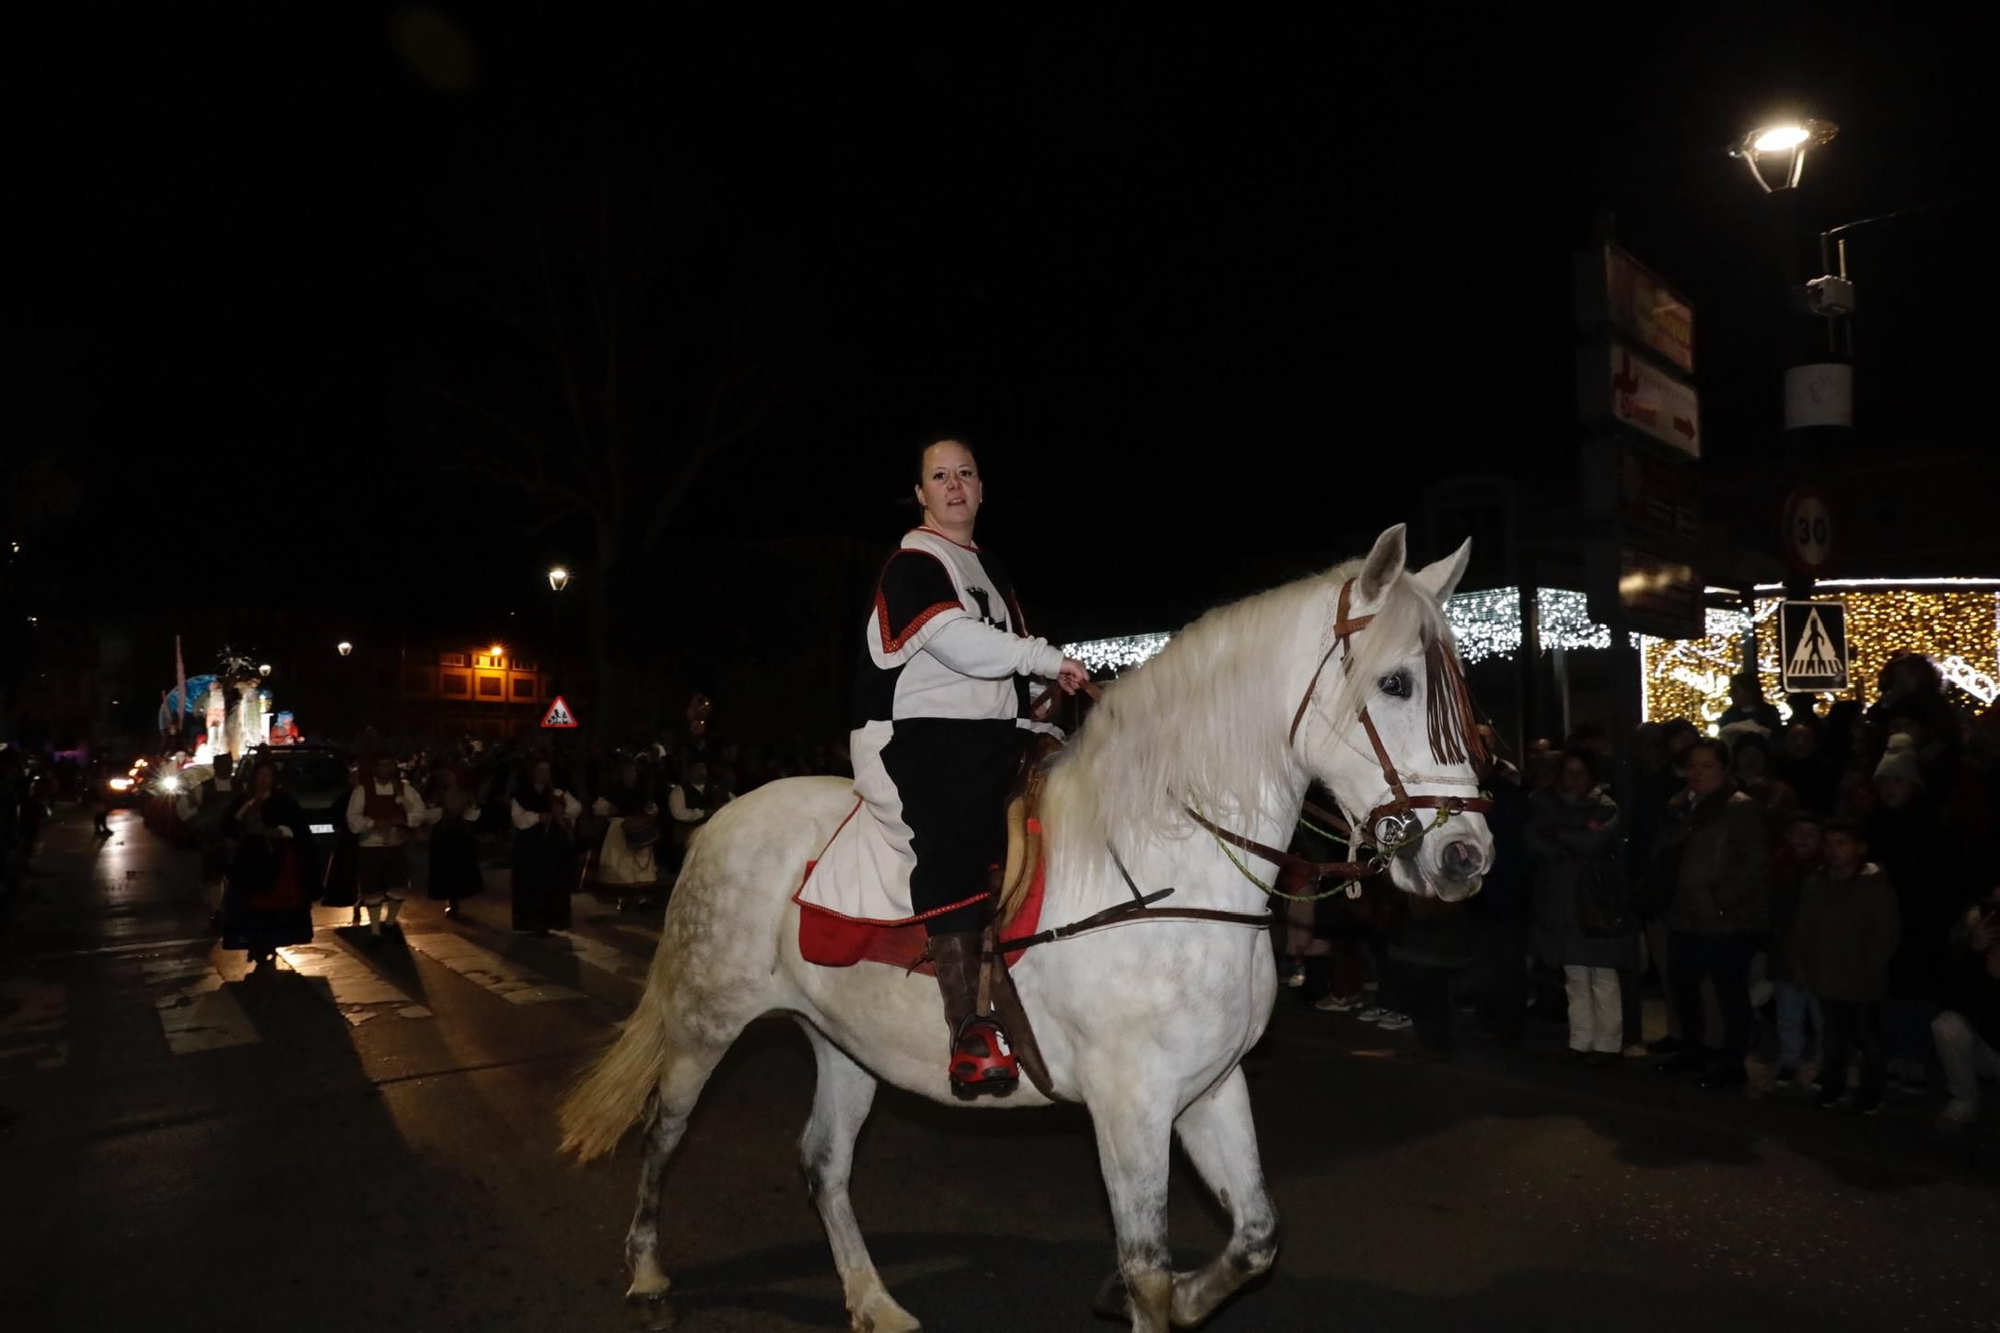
942,437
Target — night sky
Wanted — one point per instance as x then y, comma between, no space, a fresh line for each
1215,305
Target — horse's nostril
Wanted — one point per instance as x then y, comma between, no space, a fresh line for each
1461,859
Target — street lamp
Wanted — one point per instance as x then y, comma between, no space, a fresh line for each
558,579
344,647
264,669
1787,141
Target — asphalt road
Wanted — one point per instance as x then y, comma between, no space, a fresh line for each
365,1141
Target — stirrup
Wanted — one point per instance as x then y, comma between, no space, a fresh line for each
981,1059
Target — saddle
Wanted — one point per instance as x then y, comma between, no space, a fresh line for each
1011,885
1024,829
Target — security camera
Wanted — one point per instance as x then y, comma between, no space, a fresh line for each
1830,296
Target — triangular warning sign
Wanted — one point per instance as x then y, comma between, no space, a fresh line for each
559,717
1815,654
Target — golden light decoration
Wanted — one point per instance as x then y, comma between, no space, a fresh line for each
1690,677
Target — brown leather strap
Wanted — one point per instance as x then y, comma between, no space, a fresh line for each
1401,803
1318,870
1343,630
1132,911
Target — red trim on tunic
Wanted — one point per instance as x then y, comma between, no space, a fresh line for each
925,527
894,643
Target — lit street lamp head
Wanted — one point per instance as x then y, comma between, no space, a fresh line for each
558,579
1787,140
345,647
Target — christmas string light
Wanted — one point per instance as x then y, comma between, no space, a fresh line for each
1116,654
1486,624
1690,677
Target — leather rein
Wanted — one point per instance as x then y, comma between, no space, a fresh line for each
1395,828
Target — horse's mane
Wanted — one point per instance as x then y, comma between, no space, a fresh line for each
1198,724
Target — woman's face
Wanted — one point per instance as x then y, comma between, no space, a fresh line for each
1896,793
1575,780
1750,762
1704,772
1801,741
265,779
950,490
543,774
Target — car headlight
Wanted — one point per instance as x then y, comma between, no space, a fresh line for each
170,785
121,784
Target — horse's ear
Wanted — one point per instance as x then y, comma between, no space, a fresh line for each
1384,563
1441,578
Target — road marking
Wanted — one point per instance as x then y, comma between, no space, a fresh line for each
606,958
357,990
196,1012
505,978
31,1033
624,925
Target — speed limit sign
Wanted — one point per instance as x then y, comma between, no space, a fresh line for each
1808,529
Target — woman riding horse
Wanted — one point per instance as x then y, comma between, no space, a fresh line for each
939,718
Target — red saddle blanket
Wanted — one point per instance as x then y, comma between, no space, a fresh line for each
832,940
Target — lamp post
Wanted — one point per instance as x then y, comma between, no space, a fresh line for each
559,579
1817,385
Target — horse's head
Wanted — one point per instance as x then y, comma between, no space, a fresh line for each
1386,723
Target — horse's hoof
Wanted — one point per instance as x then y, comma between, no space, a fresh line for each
651,1313
1111,1301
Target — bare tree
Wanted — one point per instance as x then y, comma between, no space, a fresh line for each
605,343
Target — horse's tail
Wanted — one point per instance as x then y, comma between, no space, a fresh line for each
613,1095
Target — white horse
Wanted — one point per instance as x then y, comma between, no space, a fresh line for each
1146,1024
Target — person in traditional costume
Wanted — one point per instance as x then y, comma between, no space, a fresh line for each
454,861
267,902
204,810
544,819
625,863
689,804
381,813
941,703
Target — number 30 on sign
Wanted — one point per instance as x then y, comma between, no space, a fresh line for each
1808,529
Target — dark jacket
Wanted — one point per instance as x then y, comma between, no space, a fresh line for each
1719,855
1844,936
1569,840
1969,988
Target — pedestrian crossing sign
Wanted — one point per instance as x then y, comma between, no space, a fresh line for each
1813,639
559,717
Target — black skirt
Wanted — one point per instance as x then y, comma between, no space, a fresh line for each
454,868
542,871
953,776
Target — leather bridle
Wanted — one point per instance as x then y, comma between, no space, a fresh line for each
1392,829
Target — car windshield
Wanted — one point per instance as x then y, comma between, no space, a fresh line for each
311,771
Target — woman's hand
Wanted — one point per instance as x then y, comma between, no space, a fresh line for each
1073,676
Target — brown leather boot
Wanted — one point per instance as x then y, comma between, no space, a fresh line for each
981,1059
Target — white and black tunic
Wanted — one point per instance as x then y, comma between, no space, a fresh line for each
940,717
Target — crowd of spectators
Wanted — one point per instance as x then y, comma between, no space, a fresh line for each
1817,894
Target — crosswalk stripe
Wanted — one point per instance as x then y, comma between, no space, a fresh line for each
507,979
605,957
196,1012
30,1032
357,990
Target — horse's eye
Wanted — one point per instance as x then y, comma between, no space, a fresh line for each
1396,684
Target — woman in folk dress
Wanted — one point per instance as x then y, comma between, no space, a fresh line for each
544,818
625,862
